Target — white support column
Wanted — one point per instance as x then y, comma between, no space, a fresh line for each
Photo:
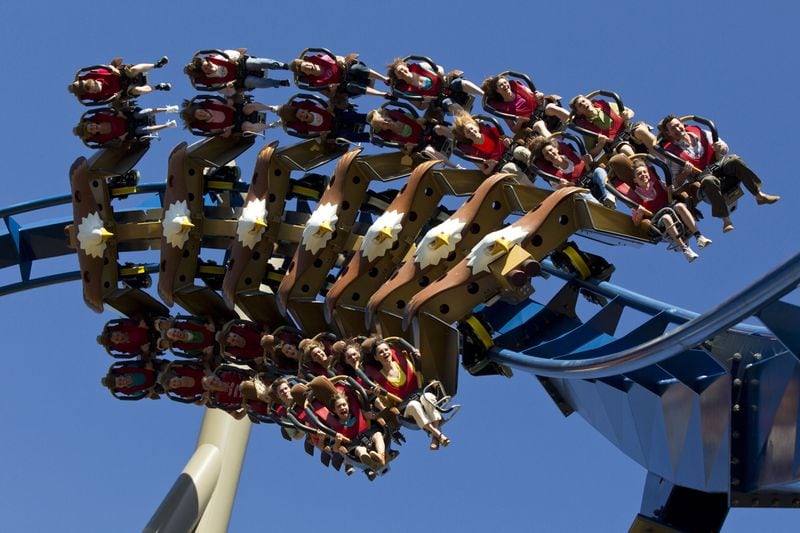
201,499
235,433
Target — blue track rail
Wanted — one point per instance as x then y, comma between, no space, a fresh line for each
746,303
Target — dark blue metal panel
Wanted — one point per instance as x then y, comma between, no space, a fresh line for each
650,329
783,319
693,368
23,250
9,253
596,330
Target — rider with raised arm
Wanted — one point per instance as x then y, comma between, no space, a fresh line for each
394,371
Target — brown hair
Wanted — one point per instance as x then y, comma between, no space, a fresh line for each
308,345
187,113
638,162
80,130
662,126
538,145
489,87
272,392
77,87
391,74
294,65
288,113
194,67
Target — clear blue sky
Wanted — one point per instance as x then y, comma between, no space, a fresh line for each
75,459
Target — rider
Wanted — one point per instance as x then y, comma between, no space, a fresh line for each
710,162
126,336
337,74
394,371
311,118
422,79
219,118
610,129
191,335
398,126
115,80
215,69
650,194
133,379
486,142
513,97
316,359
241,341
109,127
559,159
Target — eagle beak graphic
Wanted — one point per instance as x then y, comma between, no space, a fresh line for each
500,246
384,235
440,240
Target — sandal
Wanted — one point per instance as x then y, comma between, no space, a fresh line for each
377,459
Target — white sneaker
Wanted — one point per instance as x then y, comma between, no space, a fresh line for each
171,109
702,242
171,124
610,202
689,254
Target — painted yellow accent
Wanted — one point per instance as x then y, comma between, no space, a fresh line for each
480,331
578,262
514,259
306,191
123,191
226,185
132,270
211,269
